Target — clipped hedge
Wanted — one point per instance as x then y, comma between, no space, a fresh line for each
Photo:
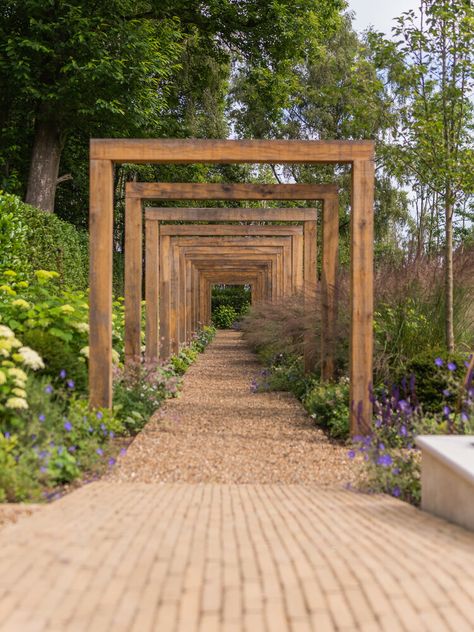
31,239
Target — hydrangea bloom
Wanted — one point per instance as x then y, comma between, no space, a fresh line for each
16,403
31,359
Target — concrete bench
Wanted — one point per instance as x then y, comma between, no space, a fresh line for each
447,477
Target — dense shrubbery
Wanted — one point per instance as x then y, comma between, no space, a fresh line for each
237,296
48,435
224,317
418,387
31,239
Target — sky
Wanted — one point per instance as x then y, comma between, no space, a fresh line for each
379,13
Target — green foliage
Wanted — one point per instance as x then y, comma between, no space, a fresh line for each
433,381
237,296
31,239
224,317
328,405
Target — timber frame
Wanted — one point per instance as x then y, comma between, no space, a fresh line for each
358,154
228,242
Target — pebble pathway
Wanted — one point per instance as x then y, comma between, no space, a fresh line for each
177,549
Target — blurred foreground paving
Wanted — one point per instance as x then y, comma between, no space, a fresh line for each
121,555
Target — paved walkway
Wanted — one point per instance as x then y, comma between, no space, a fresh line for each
178,556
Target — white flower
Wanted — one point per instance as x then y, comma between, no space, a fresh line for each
6,332
82,327
84,351
3,378
115,356
20,302
18,373
16,402
19,392
31,359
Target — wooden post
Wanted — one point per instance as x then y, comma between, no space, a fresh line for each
310,284
362,236
152,297
330,241
101,221
133,281
165,345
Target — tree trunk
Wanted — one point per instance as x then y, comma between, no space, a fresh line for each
449,275
44,165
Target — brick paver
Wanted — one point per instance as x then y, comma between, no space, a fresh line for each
165,557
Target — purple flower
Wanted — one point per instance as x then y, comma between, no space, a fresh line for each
43,454
99,415
41,418
464,417
446,393
70,384
452,366
6,435
403,430
111,434
67,426
446,411
90,429
396,471
62,374
439,362
48,389
72,448
100,452
43,469
396,491
123,451
111,461
385,460
351,454
103,427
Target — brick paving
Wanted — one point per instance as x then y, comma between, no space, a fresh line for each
178,556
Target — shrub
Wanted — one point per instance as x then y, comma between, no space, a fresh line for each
224,317
31,239
237,296
328,405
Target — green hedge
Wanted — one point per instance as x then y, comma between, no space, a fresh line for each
31,239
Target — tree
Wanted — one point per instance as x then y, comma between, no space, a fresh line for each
81,64
109,66
430,72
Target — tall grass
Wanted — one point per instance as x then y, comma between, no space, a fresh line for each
409,316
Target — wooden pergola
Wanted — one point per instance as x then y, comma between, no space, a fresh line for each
105,152
222,244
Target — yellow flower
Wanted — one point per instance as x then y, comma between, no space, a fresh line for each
19,392
16,402
8,290
23,284
45,275
20,302
9,273
67,309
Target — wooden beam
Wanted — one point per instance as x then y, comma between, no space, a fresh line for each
234,191
176,151
211,230
362,238
259,214
101,217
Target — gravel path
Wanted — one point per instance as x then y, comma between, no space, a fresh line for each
218,431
